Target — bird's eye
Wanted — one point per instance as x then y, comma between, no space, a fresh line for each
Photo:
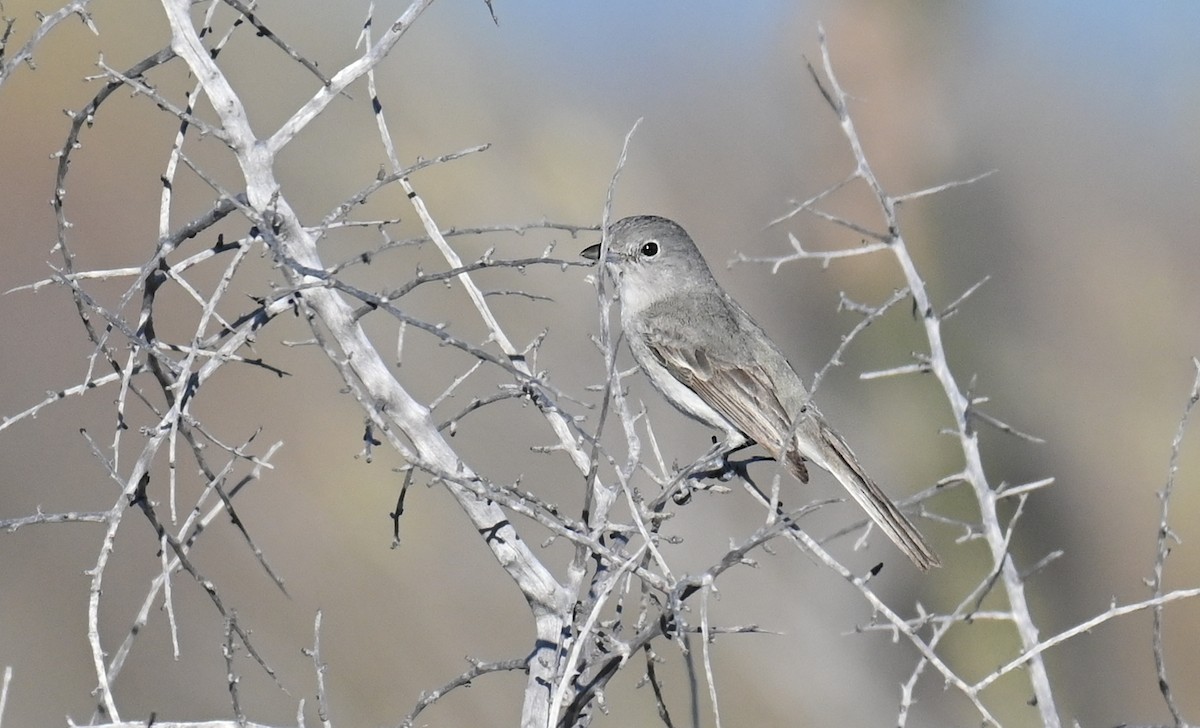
650,248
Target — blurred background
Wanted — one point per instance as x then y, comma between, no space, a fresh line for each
1083,336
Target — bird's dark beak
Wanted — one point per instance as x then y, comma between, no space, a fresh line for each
591,252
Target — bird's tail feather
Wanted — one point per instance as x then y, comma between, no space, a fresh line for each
834,455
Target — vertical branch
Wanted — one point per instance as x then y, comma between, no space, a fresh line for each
960,406
599,497
320,668
4,691
706,647
1165,537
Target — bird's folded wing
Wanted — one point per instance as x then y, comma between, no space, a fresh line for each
741,391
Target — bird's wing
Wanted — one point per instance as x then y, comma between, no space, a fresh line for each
740,390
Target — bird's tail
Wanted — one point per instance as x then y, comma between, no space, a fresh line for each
826,448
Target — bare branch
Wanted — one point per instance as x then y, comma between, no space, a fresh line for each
479,668
1025,658
871,316
4,690
265,32
48,23
960,405
943,187
825,257
1165,537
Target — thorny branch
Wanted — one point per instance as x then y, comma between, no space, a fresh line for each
997,533
619,593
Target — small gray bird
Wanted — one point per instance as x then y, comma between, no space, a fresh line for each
715,364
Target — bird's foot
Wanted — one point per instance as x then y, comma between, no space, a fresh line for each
714,465
720,467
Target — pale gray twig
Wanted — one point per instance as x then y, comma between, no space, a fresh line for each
871,315
48,22
478,669
4,691
1163,547
320,668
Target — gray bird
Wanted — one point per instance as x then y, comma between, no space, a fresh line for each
705,354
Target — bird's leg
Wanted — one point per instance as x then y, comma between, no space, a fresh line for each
716,462
710,465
